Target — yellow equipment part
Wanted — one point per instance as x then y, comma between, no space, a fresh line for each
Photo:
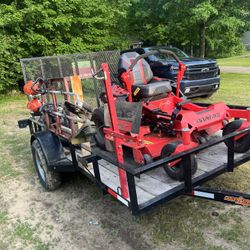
77,88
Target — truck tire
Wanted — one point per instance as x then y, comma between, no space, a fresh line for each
50,180
242,145
98,119
176,172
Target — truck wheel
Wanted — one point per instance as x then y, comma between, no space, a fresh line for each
49,179
98,119
242,145
176,172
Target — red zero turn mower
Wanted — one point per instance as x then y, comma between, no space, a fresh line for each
146,116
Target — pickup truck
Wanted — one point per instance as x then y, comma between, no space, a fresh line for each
202,76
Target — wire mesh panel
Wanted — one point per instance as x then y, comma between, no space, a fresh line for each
32,69
109,57
54,67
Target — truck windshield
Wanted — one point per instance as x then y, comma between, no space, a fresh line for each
162,57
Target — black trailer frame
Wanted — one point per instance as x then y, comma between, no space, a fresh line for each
190,186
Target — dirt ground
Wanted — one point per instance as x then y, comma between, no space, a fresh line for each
77,216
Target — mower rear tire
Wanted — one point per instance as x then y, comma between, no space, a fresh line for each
241,145
98,119
176,172
49,179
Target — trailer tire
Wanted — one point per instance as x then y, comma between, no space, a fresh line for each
242,145
98,119
49,179
176,172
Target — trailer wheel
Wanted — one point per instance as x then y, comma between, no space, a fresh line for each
98,119
50,180
176,172
241,145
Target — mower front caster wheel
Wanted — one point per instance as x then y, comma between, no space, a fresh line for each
176,172
241,145
50,180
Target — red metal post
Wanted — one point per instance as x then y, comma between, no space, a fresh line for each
115,128
181,71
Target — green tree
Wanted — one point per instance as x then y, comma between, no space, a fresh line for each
207,27
43,27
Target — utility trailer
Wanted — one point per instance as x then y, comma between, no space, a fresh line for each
59,147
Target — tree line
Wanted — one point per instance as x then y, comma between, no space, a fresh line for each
31,28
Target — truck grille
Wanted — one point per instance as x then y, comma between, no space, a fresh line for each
196,72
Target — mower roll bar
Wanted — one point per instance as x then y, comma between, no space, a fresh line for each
154,52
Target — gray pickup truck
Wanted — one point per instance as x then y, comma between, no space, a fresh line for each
202,76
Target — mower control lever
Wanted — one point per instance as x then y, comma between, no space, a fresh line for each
177,110
159,112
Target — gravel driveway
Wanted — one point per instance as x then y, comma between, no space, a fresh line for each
235,69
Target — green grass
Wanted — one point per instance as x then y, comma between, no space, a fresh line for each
22,232
12,150
234,89
242,60
186,222
3,217
28,235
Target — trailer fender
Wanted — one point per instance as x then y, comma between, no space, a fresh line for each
51,146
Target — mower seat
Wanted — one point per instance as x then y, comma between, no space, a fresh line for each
153,88
144,83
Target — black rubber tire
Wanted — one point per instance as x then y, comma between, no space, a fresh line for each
98,119
243,144
50,180
177,172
